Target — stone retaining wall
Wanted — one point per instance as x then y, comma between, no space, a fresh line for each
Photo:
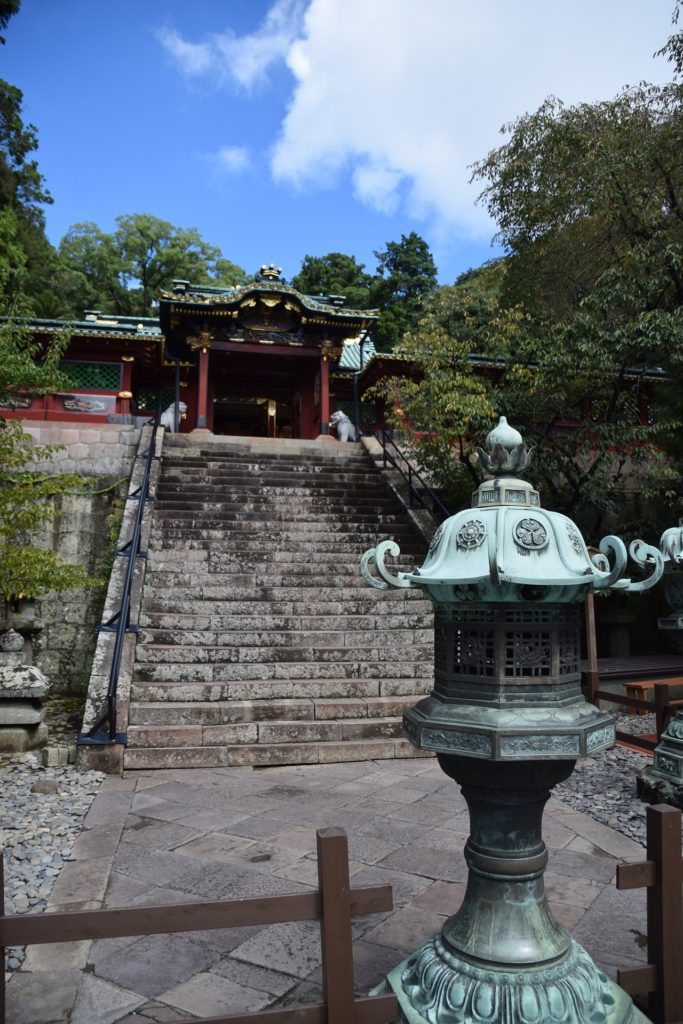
91,449
60,629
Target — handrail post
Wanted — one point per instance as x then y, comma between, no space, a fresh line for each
591,676
665,911
335,926
2,948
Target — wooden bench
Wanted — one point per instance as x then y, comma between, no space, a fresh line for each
640,689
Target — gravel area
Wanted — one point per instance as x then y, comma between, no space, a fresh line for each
42,814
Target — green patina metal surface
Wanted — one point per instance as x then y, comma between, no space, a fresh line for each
507,721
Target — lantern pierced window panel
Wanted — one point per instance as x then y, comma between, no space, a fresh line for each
527,653
473,652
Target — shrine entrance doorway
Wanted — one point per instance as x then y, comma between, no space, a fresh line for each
263,394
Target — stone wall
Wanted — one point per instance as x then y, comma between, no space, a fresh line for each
105,450
60,629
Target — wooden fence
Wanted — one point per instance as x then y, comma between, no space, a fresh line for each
661,689
333,904
662,875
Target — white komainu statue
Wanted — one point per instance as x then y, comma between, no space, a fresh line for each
167,418
345,428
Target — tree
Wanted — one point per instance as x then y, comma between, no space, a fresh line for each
27,497
8,8
91,273
124,271
406,275
586,310
335,274
578,191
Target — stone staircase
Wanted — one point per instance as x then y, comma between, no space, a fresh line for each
259,641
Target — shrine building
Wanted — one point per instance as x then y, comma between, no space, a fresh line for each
260,359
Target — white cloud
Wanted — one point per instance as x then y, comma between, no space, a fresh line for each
403,96
232,159
243,60
406,95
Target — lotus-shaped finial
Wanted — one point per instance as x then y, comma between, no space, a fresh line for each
508,453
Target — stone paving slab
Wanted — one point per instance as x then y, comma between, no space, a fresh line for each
176,835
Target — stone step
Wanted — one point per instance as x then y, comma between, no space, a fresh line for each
160,713
261,635
268,754
268,540
296,575
265,732
260,642
268,657
256,490
315,687
155,623
296,521
232,604
313,504
233,475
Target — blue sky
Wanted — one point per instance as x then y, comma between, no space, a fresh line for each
282,128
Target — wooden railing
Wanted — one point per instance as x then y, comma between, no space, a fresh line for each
662,875
333,905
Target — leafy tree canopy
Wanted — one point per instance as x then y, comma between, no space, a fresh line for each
406,275
589,205
335,274
124,271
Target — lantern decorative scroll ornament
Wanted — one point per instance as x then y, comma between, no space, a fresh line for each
507,721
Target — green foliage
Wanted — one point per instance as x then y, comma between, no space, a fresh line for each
335,274
406,275
27,498
26,365
124,271
8,8
26,503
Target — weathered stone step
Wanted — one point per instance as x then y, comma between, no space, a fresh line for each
268,754
323,709
236,475
317,688
344,577
156,622
256,490
292,541
232,604
315,505
296,521
274,634
348,730
267,657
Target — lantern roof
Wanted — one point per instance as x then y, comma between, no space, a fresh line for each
506,547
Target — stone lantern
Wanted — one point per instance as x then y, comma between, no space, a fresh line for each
507,722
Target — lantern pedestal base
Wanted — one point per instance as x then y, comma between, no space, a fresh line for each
433,986
503,958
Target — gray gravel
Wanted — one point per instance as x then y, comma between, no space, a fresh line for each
605,786
41,815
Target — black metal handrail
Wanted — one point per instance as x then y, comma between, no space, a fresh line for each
395,458
119,622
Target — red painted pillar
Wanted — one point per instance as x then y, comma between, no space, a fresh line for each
324,395
203,397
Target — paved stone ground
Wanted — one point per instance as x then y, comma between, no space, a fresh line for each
167,836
